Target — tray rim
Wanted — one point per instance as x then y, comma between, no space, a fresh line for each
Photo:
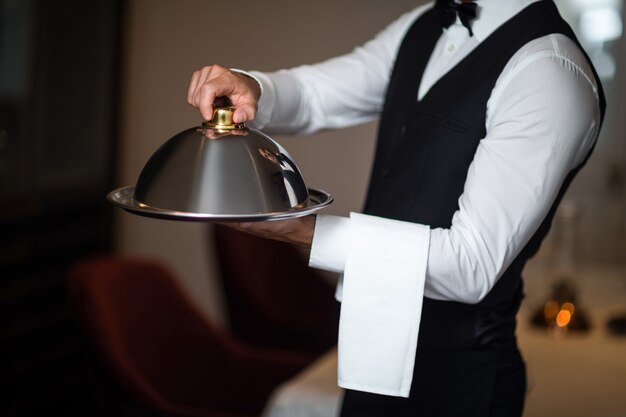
123,197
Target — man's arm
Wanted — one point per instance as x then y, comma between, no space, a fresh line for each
338,92
543,120
543,125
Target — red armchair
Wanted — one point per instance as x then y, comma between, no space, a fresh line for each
163,351
273,298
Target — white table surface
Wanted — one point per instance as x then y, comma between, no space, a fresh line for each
579,375
312,393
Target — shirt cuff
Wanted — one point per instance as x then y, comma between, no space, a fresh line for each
383,290
266,103
330,243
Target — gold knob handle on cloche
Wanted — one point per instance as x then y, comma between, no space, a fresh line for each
223,118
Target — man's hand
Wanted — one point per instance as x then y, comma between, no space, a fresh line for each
298,231
215,81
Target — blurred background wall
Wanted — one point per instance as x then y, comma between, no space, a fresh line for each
59,73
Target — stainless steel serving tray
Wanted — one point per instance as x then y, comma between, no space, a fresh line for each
124,198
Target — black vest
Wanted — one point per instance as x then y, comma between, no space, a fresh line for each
424,151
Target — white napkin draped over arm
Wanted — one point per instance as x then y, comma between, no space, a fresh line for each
382,294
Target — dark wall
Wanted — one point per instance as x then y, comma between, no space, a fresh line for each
59,70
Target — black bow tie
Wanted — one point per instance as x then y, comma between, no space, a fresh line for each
447,11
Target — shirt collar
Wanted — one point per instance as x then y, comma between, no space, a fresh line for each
493,13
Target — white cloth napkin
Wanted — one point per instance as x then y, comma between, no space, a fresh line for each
381,294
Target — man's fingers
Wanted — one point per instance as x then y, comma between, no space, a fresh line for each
192,86
197,79
211,82
203,77
245,111
204,101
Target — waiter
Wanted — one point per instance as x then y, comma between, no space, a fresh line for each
487,111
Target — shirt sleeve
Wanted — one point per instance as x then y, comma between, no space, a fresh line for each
542,123
543,118
340,92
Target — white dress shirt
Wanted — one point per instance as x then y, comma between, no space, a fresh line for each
542,119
